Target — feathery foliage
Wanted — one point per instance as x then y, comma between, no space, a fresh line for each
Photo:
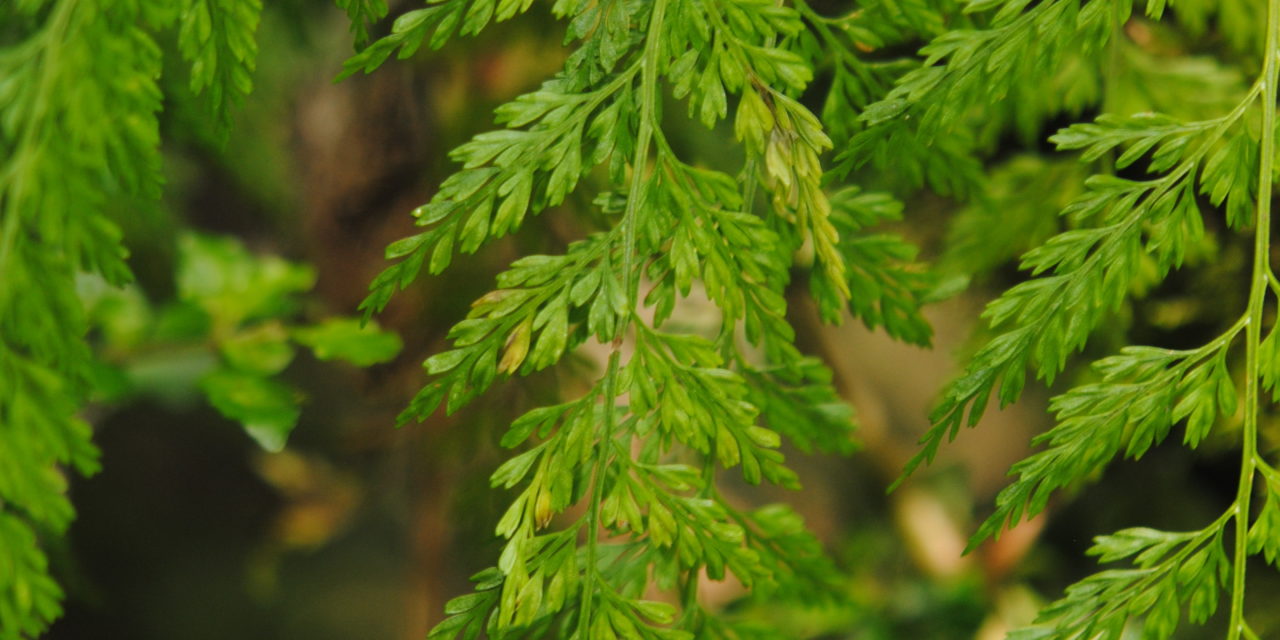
616,493
1167,183
638,450
61,166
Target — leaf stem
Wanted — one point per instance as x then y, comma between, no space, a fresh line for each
1257,299
1111,75
649,96
593,517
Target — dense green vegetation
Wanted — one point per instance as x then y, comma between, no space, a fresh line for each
660,214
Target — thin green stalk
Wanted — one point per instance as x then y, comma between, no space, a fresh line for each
1257,299
593,517
649,96
1111,75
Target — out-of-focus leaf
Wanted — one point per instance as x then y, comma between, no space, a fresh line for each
264,349
267,409
232,285
120,314
345,339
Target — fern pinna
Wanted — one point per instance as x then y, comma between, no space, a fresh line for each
638,450
1128,227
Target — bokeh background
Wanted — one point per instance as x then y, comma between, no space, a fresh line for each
362,530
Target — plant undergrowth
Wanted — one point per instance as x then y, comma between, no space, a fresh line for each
619,514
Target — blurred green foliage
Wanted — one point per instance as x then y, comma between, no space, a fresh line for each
231,329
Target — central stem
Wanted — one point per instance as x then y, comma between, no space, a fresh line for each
649,96
1257,299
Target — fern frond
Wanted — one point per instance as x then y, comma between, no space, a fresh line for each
726,397
1121,231
218,40
1086,272
967,70
1175,573
1143,392
77,66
